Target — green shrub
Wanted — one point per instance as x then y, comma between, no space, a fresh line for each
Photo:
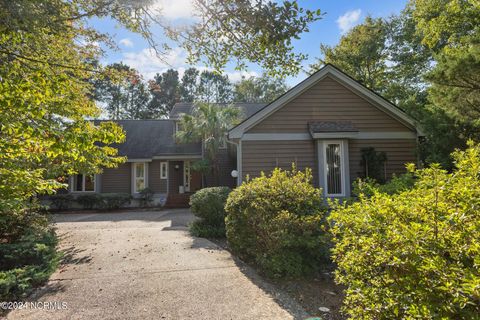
414,254
204,230
209,204
367,187
61,201
27,262
90,200
277,222
112,201
146,196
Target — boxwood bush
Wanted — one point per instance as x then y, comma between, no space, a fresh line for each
208,205
277,222
414,254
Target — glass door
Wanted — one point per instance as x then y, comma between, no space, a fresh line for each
334,172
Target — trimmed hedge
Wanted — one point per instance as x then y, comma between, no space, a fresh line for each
208,205
90,201
277,222
414,254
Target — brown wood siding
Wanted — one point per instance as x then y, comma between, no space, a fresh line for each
154,182
399,152
258,156
328,100
117,180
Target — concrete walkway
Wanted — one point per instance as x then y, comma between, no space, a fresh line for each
145,265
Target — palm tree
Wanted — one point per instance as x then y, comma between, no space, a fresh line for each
209,124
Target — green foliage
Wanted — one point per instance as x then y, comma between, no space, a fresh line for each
450,28
259,89
165,90
89,200
202,229
277,221
367,187
112,201
414,254
27,262
361,53
146,196
123,93
260,32
374,163
61,201
208,123
214,88
208,204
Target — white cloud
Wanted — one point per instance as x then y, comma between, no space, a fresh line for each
348,20
174,9
238,75
126,42
148,63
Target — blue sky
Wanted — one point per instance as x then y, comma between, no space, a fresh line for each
340,15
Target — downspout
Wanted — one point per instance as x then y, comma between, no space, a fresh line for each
239,158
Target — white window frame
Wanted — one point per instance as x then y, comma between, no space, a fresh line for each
135,176
164,170
72,184
343,167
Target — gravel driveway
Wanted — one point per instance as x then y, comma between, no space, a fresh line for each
145,265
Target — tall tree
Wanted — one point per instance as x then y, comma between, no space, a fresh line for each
209,124
122,93
361,53
165,93
451,29
189,84
45,103
262,89
214,88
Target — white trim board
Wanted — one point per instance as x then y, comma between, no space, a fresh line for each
328,135
328,70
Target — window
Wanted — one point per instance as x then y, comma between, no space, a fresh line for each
163,170
83,183
334,172
139,174
186,175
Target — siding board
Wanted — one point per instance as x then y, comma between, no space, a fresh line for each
327,100
258,156
154,182
117,180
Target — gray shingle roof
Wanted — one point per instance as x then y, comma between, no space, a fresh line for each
148,138
332,126
186,108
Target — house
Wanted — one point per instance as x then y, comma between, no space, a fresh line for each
323,123
157,161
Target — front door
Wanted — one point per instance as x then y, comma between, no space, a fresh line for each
335,168
186,176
